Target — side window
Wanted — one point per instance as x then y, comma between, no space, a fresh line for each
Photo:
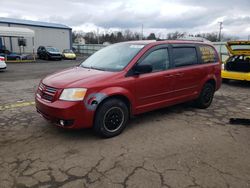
208,54
184,56
159,60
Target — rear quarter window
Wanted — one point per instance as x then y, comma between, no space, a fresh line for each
208,54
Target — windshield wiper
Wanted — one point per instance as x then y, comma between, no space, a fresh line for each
98,68
93,67
85,67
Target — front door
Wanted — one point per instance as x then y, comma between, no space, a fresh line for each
154,88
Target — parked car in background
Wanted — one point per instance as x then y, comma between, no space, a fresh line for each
127,79
49,53
2,63
12,56
68,54
237,66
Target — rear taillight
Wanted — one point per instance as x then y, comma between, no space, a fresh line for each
223,66
2,58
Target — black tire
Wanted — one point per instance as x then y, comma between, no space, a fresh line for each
17,58
46,57
111,118
206,96
224,80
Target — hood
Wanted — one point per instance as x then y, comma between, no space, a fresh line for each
76,77
239,47
54,52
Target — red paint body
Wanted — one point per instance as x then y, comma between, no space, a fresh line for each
144,92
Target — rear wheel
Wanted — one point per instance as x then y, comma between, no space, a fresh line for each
206,96
111,118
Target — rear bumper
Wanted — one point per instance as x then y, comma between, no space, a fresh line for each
69,57
235,75
74,113
3,66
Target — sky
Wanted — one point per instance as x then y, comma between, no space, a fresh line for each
159,16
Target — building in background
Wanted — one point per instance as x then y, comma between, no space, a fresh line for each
46,34
80,40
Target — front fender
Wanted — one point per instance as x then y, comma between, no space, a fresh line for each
94,99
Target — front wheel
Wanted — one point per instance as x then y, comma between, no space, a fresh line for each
111,118
206,96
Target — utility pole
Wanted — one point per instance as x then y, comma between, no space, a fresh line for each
141,31
220,28
98,36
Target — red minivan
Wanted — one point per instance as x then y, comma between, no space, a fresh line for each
127,79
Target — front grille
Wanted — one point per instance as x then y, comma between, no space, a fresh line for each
50,89
47,93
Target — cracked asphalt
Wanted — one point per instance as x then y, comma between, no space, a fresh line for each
179,146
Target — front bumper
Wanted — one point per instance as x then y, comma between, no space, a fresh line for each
55,57
235,75
74,114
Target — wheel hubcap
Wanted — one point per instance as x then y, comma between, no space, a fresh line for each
113,119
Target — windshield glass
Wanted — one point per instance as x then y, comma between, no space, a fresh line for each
112,58
68,51
240,47
51,49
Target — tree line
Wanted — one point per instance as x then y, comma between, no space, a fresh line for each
128,35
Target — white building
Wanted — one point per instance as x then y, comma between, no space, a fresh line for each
80,40
45,34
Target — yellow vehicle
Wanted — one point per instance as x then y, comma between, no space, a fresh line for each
68,54
237,66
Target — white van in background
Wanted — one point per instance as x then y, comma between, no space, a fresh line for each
2,63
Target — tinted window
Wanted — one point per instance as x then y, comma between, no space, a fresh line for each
184,56
208,54
158,59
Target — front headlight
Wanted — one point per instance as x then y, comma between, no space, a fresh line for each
73,94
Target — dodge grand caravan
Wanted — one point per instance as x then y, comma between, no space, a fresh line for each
127,79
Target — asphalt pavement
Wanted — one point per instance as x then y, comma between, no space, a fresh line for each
178,146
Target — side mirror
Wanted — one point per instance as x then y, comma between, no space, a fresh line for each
141,69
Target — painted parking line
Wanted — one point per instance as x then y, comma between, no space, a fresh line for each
17,105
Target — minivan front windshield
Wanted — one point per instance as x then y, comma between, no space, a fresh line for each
112,58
